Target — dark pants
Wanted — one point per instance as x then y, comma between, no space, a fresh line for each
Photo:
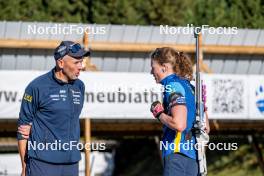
179,165
39,168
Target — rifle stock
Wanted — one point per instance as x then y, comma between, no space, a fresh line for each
202,138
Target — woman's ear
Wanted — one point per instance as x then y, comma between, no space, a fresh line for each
164,68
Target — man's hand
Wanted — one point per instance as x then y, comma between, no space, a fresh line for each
22,145
156,109
23,173
24,130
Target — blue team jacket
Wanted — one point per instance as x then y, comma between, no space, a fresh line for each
53,108
175,141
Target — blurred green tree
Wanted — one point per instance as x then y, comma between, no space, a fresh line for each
44,10
239,13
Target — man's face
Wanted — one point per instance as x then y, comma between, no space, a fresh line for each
71,67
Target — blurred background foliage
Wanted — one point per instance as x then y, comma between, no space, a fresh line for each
238,13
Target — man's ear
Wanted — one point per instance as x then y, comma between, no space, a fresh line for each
60,63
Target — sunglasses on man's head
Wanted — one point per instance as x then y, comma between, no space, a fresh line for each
63,50
74,48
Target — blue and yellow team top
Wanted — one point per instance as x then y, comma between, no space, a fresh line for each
173,141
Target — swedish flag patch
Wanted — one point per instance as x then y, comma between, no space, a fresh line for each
27,97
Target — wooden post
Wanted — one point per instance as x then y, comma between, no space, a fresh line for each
203,66
87,61
87,121
87,135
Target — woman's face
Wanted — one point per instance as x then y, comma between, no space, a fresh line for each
157,70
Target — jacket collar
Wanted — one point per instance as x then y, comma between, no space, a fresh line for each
59,81
165,80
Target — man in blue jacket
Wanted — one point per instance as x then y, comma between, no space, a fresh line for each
50,109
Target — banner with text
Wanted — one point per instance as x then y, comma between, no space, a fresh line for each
129,95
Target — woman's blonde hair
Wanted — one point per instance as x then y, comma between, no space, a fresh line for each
180,62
